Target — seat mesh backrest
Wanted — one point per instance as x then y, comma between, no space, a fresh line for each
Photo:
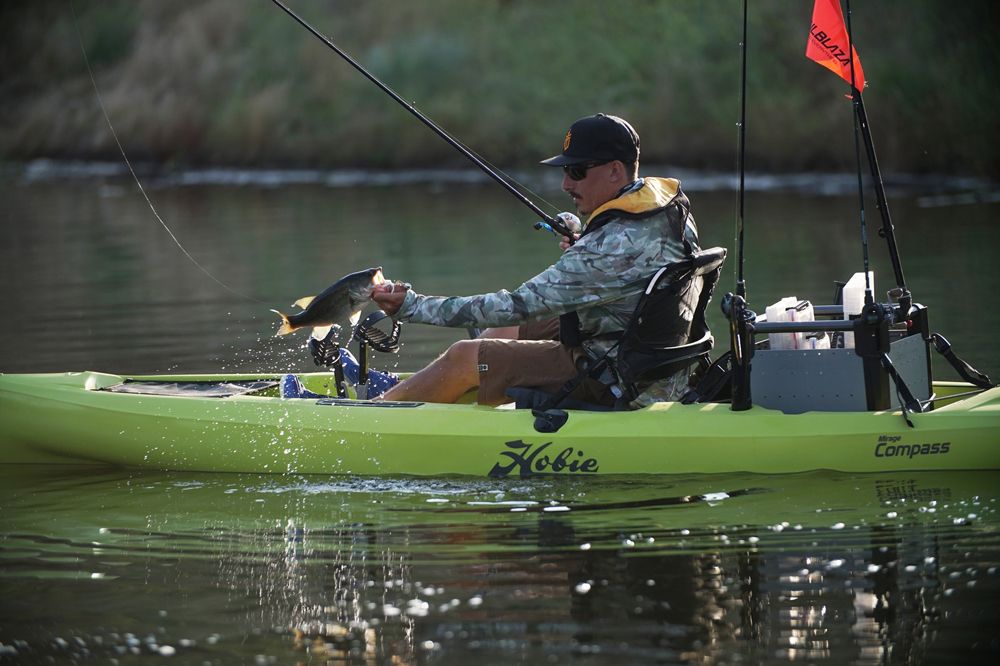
665,320
659,342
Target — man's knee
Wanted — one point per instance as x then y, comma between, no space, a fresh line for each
462,354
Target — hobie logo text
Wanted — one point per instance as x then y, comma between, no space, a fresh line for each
531,459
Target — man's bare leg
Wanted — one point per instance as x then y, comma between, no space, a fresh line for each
446,379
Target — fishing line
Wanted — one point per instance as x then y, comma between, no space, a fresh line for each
502,180
506,175
135,177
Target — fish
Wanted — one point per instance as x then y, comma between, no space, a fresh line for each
343,300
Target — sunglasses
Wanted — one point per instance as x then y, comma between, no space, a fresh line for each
579,171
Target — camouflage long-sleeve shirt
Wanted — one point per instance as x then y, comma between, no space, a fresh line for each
600,277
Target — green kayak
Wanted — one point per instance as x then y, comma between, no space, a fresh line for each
238,423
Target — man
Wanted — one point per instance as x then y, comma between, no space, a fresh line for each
634,226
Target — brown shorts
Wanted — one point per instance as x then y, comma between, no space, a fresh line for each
546,329
543,364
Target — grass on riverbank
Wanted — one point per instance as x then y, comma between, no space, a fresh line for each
239,83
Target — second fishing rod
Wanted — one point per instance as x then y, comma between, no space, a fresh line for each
550,221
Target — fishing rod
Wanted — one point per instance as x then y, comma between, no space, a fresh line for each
549,221
887,231
855,96
741,287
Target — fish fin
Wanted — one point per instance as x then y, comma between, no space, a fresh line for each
320,332
304,301
355,318
286,326
378,278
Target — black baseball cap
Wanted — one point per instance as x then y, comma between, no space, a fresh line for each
598,138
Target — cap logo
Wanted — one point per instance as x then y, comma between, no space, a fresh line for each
569,135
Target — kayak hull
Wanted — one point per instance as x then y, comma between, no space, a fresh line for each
68,418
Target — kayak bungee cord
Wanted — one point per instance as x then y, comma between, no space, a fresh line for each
547,222
135,177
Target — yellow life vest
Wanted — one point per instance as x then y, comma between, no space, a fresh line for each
654,195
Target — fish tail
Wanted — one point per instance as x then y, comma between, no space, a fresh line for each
286,325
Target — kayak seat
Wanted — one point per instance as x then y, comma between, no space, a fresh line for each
656,342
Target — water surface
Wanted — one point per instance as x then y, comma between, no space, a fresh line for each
262,569
122,567
94,282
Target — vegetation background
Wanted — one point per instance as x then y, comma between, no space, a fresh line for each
238,83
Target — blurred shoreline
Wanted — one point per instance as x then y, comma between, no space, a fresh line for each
932,190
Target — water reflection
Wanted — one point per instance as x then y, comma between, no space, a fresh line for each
814,567
108,290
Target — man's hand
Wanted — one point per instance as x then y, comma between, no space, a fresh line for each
389,296
572,222
565,243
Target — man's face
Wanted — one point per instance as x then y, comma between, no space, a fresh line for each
599,186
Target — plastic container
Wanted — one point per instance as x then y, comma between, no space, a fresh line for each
818,340
779,312
801,311
854,300
791,308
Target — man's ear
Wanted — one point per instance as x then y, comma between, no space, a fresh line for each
618,172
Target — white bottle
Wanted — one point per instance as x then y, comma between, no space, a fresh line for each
854,300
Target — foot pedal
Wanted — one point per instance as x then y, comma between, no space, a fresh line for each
326,354
376,338
326,351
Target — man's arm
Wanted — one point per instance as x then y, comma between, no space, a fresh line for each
581,278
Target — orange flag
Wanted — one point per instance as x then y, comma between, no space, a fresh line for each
828,42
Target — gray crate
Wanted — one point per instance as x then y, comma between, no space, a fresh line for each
832,380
